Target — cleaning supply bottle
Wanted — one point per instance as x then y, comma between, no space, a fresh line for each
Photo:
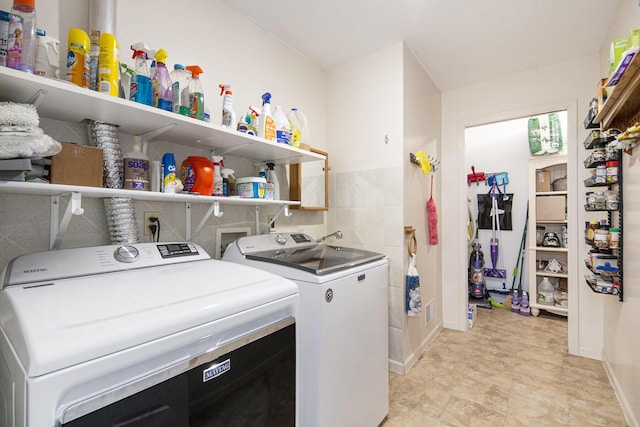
125,81
26,48
180,89
228,115
78,57
141,87
168,182
299,132
545,292
162,96
272,178
283,127
217,175
196,94
266,124
228,182
108,62
136,167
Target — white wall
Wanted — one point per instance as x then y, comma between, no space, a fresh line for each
365,106
422,124
569,84
622,320
230,49
381,107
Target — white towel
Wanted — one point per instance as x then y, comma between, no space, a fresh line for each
13,114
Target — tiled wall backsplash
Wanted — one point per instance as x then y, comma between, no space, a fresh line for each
367,206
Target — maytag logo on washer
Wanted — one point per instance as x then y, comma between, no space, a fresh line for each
216,370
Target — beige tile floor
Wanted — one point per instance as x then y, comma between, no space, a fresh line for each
509,370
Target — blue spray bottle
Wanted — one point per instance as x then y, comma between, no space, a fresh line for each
141,87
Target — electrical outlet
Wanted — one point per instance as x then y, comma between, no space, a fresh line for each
273,224
147,221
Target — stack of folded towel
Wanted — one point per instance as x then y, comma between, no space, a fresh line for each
20,134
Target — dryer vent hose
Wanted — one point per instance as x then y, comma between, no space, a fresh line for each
121,219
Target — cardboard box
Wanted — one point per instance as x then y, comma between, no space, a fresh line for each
543,181
618,46
77,165
551,208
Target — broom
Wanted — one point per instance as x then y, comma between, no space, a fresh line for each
520,262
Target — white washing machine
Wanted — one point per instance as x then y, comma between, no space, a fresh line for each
343,324
145,334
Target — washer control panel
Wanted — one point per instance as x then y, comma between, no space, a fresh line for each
77,262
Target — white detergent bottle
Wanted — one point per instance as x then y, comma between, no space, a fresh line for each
272,178
266,124
228,115
283,127
545,292
299,128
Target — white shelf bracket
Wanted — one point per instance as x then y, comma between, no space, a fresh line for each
58,230
214,210
37,98
223,151
144,138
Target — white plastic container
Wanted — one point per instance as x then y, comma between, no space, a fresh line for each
180,89
300,128
266,124
47,55
545,292
283,127
251,187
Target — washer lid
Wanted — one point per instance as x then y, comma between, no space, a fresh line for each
55,324
318,259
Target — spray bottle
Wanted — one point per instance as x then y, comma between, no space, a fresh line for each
180,89
217,175
228,115
228,182
196,94
273,179
162,95
125,81
266,124
141,87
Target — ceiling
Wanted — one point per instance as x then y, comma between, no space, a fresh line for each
458,42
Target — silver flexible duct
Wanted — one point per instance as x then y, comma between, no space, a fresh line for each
121,218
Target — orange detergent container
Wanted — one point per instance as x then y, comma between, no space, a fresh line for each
196,173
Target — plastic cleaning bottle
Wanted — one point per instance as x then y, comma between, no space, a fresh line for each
545,292
266,124
299,131
141,88
196,94
217,175
163,97
78,57
180,89
25,48
168,179
136,168
228,182
125,81
108,65
228,115
283,127
272,178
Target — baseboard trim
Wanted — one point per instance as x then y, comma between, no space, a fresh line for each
403,368
627,410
